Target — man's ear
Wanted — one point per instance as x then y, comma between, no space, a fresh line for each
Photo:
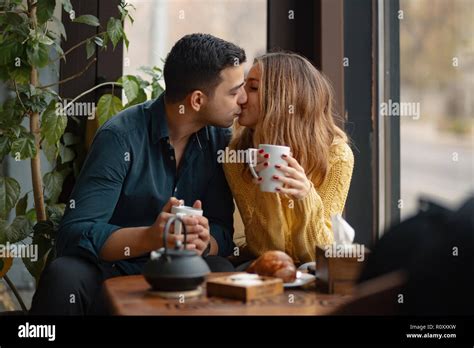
197,100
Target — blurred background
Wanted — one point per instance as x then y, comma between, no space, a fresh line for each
437,70
160,23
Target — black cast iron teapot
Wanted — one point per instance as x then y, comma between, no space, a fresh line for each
175,269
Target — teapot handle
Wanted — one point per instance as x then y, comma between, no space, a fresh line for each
167,227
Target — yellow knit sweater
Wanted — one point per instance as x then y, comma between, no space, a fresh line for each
276,222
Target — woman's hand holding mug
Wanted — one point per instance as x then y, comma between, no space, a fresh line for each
277,171
296,183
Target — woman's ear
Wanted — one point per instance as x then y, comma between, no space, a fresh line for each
197,100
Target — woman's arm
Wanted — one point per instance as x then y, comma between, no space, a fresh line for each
312,214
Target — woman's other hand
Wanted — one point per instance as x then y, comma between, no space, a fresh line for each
295,182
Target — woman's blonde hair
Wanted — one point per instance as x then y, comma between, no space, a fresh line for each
296,110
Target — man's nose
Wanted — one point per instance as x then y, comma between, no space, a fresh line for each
242,97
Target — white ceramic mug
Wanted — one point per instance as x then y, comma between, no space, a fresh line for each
181,211
275,151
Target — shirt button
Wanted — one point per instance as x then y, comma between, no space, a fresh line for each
172,158
175,189
168,141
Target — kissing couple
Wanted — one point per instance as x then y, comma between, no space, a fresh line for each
156,156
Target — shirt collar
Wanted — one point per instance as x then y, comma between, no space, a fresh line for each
159,125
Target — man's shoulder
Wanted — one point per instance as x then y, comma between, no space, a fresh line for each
128,121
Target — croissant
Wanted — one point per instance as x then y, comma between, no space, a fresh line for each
274,264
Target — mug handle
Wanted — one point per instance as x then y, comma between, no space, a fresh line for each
253,160
178,226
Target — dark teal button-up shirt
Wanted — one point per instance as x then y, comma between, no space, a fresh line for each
130,174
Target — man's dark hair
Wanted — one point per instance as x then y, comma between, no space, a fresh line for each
195,62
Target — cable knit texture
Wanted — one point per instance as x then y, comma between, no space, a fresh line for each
276,222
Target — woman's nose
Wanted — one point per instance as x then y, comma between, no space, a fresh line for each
242,97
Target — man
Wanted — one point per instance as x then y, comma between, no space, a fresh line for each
142,162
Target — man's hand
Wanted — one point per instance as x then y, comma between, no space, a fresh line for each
155,231
197,229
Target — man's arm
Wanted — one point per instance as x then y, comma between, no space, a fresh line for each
85,227
135,241
126,243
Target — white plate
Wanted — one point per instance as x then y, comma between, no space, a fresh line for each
301,279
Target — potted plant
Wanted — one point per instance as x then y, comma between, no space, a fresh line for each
30,39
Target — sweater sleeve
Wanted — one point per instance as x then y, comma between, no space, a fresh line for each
312,215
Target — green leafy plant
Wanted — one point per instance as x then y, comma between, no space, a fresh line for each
30,39
136,90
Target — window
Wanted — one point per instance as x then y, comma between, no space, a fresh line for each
436,84
159,24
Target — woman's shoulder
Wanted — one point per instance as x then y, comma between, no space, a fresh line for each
340,151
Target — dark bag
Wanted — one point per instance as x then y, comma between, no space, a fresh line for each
436,250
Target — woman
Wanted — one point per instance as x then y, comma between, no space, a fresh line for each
290,103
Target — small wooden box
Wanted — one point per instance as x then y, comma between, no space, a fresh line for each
229,287
337,271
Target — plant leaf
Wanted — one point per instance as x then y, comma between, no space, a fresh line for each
90,48
9,194
141,97
21,74
114,30
53,123
125,39
31,215
99,41
21,205
67,5
45,9
70,139
156,89
50,151
88,19
108,106
3,231
8,49
38,54
60,26
59,50
19,229
45,40
143,83
130,85
53,183
67,155
43,236
25,146
5,146
16,130
55,213
11,114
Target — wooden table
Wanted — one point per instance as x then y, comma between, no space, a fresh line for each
129,295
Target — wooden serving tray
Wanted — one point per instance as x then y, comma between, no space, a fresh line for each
244,286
